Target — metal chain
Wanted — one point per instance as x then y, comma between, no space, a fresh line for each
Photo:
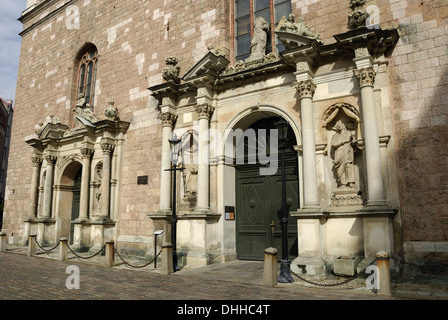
90,257
137,267
47,250
329,284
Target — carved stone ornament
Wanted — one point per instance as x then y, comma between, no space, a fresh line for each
296,26
216,51
359,16
305,89
205,111
241,66
107,148
86,153
168,119
111,112
36,161
366,76
171,72
51,159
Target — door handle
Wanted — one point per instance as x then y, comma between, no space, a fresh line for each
272,225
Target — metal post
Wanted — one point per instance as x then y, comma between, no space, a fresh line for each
285,275
174,221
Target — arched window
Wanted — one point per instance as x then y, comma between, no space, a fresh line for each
87,73
245,12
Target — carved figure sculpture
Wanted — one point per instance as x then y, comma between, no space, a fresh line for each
259,39
298,27
343,155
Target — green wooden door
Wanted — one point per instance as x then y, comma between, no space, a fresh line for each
259,202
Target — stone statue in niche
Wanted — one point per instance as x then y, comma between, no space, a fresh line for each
343,156
259,40
97,187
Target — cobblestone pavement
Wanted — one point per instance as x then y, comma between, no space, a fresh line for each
43,278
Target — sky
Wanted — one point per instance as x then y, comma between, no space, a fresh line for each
10,42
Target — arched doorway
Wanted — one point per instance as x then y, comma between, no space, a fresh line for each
259,196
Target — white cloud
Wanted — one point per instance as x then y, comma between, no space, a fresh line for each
10,27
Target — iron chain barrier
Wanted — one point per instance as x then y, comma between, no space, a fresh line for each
97,253
341,283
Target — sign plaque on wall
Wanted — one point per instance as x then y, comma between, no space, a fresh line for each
142,180
230,213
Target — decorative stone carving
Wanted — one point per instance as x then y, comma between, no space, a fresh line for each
241,66
168,119
111,112
39,128
54,119
259,40
86,153
205,111
51,159
36,161
366,76
107,148
171,72
296,26
305,88
84,110
346,199
359,16
343,156
216,51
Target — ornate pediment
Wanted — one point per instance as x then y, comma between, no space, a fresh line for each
211,65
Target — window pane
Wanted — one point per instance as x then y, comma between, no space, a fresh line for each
242,45
242,8
82,75
281,10
266,14
243,26
261,4
89,81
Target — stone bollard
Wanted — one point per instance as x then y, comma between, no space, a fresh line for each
167,259
63,249
2,241
270,267
384,281
32,245
110,254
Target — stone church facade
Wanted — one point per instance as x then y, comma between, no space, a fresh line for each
104,85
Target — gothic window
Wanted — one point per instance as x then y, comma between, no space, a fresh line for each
245,13
87,74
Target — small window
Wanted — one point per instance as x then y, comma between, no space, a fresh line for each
87,74
245,13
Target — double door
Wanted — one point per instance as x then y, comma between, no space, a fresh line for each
259,210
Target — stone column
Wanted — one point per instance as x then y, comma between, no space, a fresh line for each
306,91
205,112
86,154
375,188
168,120
48,187
34,194
107,149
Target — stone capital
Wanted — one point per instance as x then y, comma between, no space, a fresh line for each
305,88
36,161
86,153
51,159
107,148
366,76
205,111
168,119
